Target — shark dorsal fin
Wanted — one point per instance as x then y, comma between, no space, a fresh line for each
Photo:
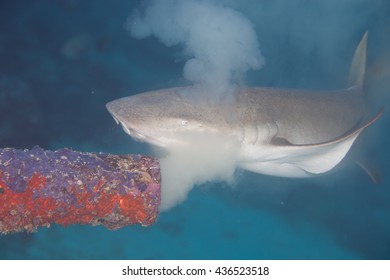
358,66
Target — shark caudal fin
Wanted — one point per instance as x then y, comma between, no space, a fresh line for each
358,66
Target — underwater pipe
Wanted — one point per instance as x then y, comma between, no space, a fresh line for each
39,187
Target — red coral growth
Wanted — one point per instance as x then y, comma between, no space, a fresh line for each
29,209
18,209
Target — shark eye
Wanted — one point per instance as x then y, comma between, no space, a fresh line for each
184,123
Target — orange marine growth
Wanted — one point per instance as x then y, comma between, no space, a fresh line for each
47,187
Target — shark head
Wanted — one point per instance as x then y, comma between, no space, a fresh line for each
166,117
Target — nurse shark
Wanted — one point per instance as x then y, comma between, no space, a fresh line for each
279,132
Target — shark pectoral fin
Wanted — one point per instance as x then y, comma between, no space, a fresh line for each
320,158
317,160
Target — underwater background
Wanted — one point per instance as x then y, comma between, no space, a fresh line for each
61,61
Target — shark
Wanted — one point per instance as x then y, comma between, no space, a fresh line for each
278,132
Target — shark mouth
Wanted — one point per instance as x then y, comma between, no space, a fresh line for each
138,136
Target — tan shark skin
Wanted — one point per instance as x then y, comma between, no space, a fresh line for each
281,132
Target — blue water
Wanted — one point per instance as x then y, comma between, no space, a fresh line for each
61,61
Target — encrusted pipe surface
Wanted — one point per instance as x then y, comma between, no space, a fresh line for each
39,187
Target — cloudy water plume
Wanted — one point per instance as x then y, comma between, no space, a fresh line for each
220,45
207,157
219,42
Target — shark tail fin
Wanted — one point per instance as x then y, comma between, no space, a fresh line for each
358,66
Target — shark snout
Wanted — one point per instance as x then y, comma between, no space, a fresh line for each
111,109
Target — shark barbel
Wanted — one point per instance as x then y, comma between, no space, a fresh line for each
279,132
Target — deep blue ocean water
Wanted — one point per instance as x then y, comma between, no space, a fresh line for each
62,60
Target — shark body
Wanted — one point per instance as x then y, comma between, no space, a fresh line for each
279,132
